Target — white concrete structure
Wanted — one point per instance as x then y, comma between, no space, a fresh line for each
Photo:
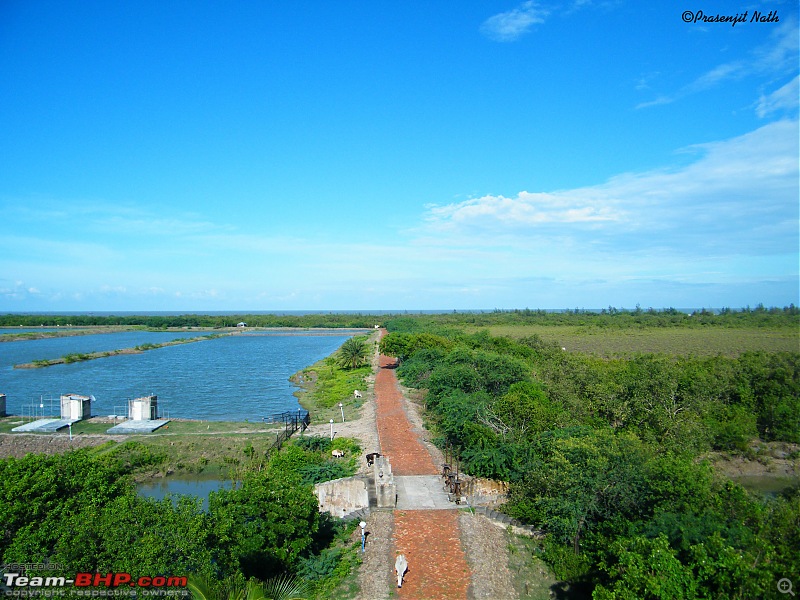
75,407
143,409
342,496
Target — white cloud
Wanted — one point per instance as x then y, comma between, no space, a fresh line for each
785,98
525,210
739,197
728,219
776,57
511,25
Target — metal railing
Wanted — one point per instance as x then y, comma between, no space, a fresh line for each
292,421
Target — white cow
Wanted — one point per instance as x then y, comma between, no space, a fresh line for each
400,567
357,394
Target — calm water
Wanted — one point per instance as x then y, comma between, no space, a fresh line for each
22,351
184,486
230,378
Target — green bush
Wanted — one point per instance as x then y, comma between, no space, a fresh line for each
313,443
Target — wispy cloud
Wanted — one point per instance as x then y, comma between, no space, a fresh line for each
777,57
739,197
511,25
785,99
524,211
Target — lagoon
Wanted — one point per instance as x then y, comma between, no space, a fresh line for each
230,378
197,485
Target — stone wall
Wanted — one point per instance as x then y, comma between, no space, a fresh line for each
385,487
483,492
341,497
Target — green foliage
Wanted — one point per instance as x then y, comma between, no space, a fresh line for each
80,510
353,353
130,456
325,471
313,443
603,453
311,459
266,525
403,345
282,587
320,566
285,587
148,346
321,321
335,384
349,446
644,568
525,410
38,487
580,480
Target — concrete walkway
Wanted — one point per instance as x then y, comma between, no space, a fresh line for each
422,492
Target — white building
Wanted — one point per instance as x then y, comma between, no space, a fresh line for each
75,407
143,409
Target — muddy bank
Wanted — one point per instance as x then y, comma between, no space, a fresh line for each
763,459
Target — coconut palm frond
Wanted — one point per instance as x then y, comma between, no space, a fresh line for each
286,587
200,589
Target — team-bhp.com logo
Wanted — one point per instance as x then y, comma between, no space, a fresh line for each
158,584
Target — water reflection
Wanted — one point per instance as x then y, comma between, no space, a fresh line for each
196,485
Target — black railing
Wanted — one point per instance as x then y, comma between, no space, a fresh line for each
292,421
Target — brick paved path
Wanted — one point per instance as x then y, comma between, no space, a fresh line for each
430,539
398,441
437,566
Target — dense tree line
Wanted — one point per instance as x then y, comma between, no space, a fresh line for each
608,318
324,321
603,455
80,510
605,318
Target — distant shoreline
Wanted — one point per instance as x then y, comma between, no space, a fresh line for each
78,357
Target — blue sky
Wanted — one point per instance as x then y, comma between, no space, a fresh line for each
410,155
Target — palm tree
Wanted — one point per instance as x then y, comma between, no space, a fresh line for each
353,353
284,587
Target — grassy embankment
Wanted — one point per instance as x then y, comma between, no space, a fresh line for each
68,332
79,357
325,384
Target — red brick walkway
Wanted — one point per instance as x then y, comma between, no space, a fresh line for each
406,454
430,539
437,567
